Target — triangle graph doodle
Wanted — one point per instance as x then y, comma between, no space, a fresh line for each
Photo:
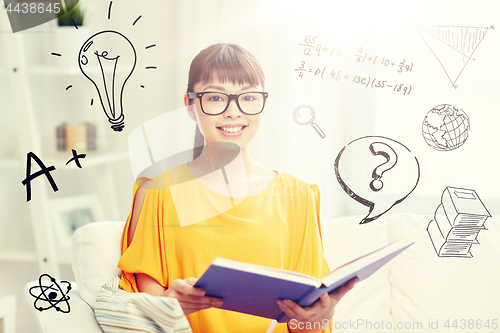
453,46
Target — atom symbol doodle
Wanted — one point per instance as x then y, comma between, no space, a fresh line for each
53,290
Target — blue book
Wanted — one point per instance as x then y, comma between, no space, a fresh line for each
254,289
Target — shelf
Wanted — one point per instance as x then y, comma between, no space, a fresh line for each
17,255
54,69
65,70
29,256
10,163
92,158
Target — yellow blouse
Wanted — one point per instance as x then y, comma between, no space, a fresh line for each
279,227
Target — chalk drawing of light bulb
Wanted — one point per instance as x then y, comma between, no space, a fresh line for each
108,59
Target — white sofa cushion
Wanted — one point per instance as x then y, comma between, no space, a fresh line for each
366,308
427,288
79,319
96,250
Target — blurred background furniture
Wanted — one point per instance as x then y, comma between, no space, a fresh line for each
413,293
8,314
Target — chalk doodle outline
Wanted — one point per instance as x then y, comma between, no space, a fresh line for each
360,199
52,295
45,171
377,184
296,116
117,122
444,110
447,40
452,237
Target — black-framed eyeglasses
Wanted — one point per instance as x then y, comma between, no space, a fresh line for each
216,103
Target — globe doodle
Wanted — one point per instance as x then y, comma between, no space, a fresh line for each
48,293
445,127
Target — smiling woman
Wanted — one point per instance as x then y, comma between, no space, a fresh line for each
181,220
220,68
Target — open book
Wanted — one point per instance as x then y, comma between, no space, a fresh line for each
254,289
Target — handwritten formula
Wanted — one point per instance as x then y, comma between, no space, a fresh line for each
310,49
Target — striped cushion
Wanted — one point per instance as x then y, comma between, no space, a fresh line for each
119,311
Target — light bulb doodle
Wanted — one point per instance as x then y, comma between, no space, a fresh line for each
382,149
105,50
108,68
304,115
50,292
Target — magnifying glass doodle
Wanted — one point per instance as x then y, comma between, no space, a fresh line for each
304,115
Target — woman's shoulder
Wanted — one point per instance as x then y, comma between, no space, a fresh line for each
165,178
291,178
293,185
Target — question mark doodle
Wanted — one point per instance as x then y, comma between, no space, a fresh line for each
383,149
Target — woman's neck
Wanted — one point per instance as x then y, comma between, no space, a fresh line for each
217,155
237,165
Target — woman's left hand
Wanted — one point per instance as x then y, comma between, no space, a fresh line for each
322,309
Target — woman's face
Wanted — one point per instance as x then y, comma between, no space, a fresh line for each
231,126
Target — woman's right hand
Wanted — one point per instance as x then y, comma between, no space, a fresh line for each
190,298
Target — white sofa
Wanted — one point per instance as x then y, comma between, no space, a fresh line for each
417,292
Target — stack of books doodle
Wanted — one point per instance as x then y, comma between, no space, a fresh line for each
457,222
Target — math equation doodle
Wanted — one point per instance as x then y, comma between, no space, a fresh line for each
453,46
313,51
366,81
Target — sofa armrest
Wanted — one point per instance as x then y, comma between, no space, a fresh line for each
80,317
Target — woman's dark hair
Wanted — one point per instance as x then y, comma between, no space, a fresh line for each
229,63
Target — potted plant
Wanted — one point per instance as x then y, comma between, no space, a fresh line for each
71,32
74,15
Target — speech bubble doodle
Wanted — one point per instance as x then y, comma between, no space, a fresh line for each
361,164
28,14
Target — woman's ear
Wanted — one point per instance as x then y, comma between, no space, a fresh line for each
190,107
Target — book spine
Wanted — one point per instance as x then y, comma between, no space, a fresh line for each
61,136
76,137
91,140
449,206
442,221
437,238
